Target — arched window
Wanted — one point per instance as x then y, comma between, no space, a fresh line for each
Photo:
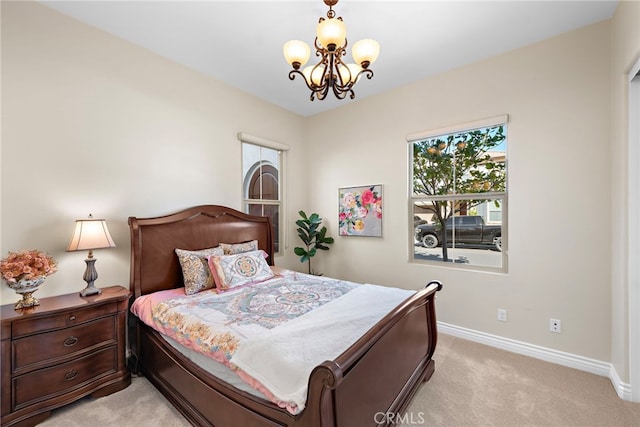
262,185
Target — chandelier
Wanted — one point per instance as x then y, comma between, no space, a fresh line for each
331,72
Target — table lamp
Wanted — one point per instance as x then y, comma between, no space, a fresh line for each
90,234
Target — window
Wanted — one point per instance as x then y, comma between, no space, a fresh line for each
262,181
458,182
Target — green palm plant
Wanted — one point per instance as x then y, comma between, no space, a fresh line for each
313,236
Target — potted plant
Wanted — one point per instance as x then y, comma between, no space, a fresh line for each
313,236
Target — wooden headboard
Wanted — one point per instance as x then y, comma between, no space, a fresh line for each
154,263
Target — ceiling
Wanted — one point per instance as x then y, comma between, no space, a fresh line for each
240,42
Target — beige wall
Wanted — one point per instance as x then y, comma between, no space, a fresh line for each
92,124
557,96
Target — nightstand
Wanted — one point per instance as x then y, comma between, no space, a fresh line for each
61,350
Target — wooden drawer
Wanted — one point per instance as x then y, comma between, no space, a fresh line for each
55,353
61,320
50,346
48,382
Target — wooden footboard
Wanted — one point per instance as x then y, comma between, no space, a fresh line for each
379,374
202,398
376,377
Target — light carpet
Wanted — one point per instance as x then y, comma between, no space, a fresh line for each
474,385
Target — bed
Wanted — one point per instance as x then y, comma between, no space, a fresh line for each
370,383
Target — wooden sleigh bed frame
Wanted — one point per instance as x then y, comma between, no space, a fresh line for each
372,380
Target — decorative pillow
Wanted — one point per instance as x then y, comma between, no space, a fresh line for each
195,270
230,271
238,248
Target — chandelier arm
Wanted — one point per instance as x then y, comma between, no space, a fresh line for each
333,68
323,90
338,62
313,88
325,64
340,94
292,74
368,72
319,91
339,52
341,90
344,46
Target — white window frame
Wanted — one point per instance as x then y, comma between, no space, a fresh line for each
412,198
282,149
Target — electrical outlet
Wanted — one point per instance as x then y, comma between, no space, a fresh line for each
555,325
502,315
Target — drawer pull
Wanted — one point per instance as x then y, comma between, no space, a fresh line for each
71,375
72,317
70,341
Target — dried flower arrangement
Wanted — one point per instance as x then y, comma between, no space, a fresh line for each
27,265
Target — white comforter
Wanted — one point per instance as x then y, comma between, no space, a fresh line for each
282,359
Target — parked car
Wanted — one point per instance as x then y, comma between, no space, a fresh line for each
469,229
417,221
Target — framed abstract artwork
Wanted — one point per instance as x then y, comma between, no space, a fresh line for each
360,211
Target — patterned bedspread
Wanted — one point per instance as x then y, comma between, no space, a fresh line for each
274,330
215,324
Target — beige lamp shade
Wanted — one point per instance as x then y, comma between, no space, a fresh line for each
331,31
296,51
90,234
365,52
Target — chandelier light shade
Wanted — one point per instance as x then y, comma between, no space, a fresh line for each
365,51
331,33
90,234
331,73
296,52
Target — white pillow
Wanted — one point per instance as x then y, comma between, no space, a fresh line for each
231,271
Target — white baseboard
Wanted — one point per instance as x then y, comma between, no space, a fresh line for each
593,366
